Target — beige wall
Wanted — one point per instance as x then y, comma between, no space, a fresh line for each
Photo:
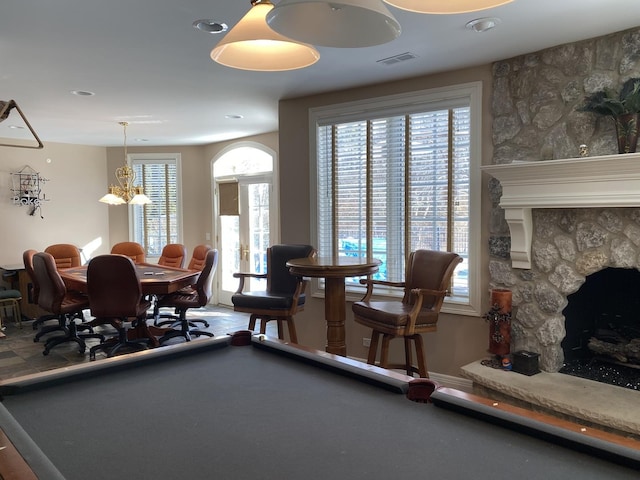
460,339
72,215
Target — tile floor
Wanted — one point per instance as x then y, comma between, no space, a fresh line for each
20,355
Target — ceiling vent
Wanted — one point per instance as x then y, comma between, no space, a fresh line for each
401,57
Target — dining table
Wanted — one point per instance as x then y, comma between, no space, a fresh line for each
334,270
154,279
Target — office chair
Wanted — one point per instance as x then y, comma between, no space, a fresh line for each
54,297
115,296
133,250
198,295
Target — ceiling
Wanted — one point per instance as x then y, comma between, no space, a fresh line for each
148,66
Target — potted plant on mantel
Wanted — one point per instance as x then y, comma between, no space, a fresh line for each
623,107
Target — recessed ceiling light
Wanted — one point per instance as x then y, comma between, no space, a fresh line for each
234,117
16,127
82,93
480,25
210,26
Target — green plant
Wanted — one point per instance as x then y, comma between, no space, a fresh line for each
608,102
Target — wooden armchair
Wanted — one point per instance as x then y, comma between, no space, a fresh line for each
285,293
427,281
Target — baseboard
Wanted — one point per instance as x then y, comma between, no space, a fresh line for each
457,383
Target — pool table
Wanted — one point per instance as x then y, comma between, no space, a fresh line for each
249,407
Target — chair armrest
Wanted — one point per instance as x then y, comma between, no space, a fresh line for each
420,293
242,277
427,291
370,283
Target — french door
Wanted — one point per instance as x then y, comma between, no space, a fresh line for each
243,238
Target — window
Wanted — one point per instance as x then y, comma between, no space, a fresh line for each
156,224
398,176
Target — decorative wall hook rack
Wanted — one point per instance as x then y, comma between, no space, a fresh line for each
5,110
27,189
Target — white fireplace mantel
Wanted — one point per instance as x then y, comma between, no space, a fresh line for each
604,181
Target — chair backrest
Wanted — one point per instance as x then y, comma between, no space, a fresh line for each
133,250
203,285
173,255
27,259
198,257
432,270
113,286
52,288
279,280
66,255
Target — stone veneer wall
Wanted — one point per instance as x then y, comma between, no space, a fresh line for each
535,100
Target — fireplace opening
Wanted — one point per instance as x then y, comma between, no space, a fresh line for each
602,323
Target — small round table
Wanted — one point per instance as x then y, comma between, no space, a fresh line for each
334,270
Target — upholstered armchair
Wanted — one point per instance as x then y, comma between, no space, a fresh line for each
427,281
284,295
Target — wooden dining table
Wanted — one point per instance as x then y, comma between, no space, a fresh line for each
154,279
334,270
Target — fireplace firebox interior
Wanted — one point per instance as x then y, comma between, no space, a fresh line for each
602,322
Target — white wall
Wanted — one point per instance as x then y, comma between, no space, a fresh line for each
77,179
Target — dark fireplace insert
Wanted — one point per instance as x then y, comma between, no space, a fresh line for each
602,323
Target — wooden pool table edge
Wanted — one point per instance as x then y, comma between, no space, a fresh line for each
608,445
12,465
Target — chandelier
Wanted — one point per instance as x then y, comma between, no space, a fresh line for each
126,191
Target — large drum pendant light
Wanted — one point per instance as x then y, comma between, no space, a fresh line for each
341,24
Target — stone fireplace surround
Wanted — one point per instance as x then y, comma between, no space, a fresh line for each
568,219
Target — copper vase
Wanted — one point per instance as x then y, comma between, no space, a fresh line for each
500,322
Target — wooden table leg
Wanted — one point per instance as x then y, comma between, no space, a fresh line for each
334,312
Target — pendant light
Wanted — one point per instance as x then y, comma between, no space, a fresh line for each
446,6
126,191
252,45
341,24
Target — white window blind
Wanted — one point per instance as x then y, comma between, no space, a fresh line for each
391,184
157,224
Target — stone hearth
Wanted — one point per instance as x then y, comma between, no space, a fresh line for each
585,402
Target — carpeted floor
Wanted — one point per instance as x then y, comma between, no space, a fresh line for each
20,355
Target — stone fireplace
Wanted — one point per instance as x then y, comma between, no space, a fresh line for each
568,219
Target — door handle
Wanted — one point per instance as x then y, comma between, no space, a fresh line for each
244,252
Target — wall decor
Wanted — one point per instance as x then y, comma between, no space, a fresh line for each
27,189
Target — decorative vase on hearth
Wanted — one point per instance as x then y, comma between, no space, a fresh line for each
499,318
